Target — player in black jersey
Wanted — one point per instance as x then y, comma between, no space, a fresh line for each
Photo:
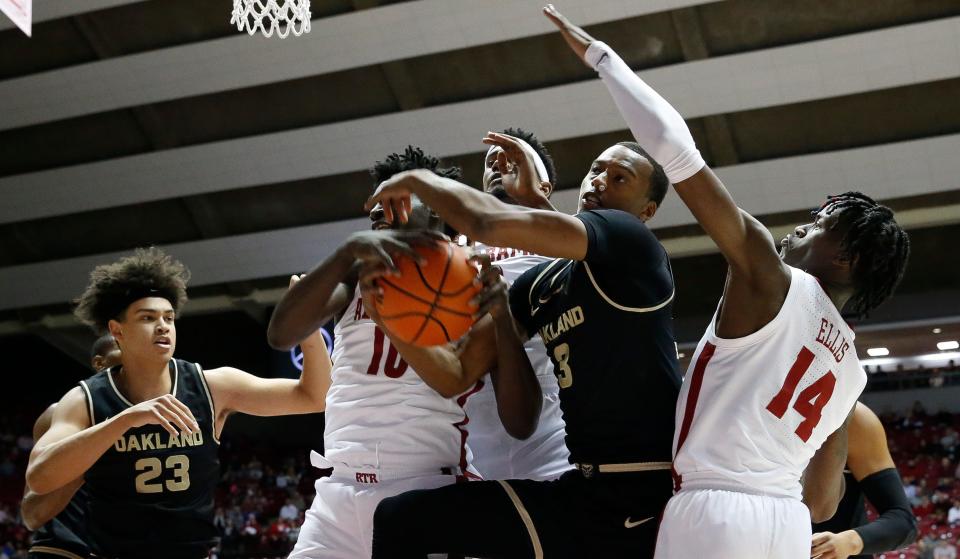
872,474
143,434
59,518
603,310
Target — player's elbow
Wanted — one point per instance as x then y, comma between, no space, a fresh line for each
911,528
277,338
521,430
822,510
31,516
38,481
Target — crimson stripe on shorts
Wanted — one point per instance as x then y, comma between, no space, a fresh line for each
695,383
462,401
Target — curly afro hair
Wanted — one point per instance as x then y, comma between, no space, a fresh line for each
411,158
113,287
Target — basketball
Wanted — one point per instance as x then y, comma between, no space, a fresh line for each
428,304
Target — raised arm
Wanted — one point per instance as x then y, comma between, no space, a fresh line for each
658,127
482,217
234,390
37,509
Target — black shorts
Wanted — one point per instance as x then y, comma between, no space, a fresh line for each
607,515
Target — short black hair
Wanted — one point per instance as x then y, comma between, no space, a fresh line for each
411,158
876,245
659,183
103,345
113,287
538,147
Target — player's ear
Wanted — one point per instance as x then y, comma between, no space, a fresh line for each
546,189
115,330
649,210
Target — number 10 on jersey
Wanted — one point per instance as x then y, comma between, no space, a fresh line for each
812,399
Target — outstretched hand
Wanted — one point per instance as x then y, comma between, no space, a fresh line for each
518,171
575,36
394,194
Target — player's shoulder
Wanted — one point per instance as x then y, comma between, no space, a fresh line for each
866,424
608,217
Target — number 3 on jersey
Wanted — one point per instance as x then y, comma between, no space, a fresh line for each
812,399
562,354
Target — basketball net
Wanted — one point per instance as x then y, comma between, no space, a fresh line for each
269,16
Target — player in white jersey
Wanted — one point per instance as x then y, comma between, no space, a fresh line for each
386,431
496,454
763,410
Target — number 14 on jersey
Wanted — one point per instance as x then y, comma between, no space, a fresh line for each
812,399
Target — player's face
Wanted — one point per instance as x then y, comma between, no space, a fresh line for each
816,246
147,330
618,179
492,179
421,217
106,359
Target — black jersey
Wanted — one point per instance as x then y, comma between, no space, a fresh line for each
151,494
66,534
851,512
607,325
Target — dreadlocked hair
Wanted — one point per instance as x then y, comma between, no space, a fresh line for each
411,158
113,287
538,147
875,244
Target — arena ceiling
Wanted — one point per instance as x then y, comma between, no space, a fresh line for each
130,123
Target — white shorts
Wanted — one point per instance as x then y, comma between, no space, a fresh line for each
497,455
702,523
339,524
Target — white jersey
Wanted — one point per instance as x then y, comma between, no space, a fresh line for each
380,414
753,410
497,455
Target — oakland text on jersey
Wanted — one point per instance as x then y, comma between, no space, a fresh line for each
568,320
157,441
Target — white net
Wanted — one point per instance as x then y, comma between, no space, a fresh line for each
272,16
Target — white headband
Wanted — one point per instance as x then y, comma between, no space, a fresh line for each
538,163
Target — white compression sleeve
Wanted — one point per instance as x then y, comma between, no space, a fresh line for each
655,124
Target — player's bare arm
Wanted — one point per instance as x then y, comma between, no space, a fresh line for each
234,390
823,483
36,510
482,217
872,466
71,445
328,288
494,344
757,275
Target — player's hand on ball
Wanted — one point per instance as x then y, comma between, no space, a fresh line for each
166,411
379,248
493,297
827,545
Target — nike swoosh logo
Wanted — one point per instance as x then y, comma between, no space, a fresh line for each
627,524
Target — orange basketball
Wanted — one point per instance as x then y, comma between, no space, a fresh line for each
428,305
